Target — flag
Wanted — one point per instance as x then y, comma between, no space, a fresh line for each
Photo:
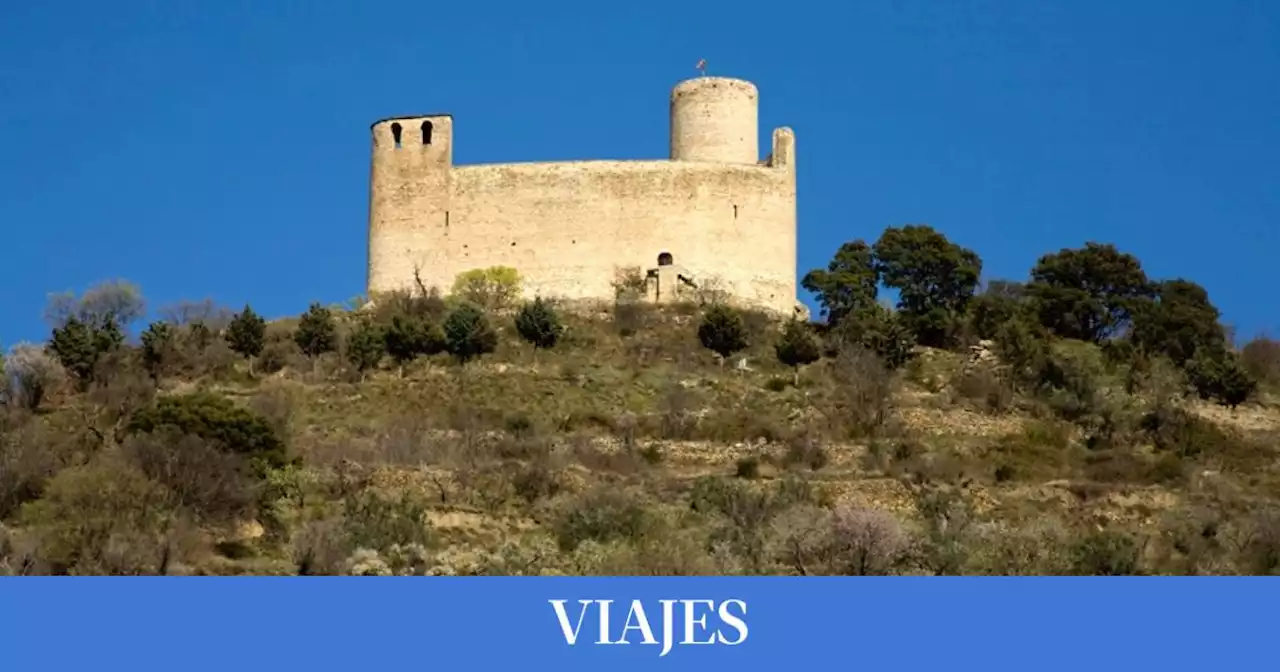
702,64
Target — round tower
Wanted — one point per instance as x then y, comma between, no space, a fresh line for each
715,119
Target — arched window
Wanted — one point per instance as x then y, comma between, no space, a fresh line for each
426,132
395,134
665,259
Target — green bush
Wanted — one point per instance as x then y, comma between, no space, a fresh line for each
538,323
214,418
467,333
493,288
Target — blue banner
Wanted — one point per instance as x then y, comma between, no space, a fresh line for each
320,624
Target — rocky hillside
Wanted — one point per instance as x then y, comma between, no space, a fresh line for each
626,447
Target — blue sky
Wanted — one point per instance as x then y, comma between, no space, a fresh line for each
220,149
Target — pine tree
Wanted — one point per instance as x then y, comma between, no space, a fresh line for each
409,337
316,333
157,345
722,331
246,335
78,346
538,323
366,347
797,347
468,334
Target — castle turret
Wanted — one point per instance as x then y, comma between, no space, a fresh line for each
715,119
410,179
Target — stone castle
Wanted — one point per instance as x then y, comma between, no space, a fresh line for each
714,215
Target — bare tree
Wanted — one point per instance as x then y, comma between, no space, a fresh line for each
29,373
117,301
866,542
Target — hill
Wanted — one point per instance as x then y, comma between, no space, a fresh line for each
627,446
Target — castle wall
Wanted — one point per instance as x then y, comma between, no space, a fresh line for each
568,227
723,215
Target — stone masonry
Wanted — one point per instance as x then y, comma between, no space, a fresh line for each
713,214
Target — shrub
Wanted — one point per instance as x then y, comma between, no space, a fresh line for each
722,331
807,451
316,333
1261,358
599,515
863,390
493,288
1105,553
748,467
629,283
538,323
28,374
846,541
866,542
378,521
1220,376
409,337
467,333
210,484
104,517
629,317
216,419
366,347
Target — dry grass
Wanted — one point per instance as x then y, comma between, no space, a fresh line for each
490,461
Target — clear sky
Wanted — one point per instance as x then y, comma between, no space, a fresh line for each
220,149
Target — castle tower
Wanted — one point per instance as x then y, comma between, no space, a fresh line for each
715,119
410,184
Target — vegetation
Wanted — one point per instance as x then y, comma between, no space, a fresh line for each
1090,420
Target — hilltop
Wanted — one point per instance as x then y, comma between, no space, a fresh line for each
1056,427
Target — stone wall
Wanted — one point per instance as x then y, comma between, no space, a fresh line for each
568,228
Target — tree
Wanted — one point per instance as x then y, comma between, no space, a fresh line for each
366,347
117,301
538,323
410,336
797,347
850,281
879,330
1219,375
157,347
935,279
246,334
1180,322
722,331
1088,293
492,288
28,374
316,333
998,303
468,334
78,346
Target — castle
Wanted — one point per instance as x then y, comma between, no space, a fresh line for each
712,216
